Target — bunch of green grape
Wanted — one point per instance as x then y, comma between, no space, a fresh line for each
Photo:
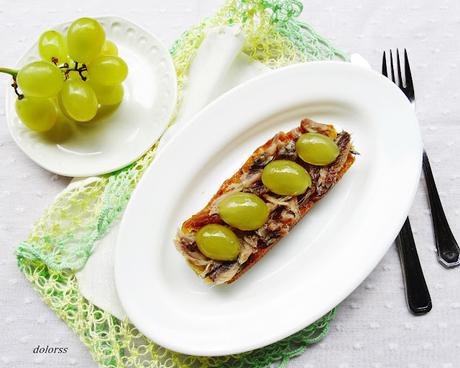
77,74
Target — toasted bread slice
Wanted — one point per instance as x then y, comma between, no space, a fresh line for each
285,211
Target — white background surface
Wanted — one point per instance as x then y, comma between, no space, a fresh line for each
373,328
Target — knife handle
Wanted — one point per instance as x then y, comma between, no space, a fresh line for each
417,294
446,245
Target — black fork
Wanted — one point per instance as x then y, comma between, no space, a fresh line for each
417,294
447,248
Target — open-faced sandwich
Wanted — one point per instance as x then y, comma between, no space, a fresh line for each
263,201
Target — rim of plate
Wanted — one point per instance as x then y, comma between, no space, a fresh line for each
169,112
330,301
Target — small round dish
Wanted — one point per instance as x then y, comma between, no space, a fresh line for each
116,137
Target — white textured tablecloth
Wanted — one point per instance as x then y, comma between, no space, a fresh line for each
373,328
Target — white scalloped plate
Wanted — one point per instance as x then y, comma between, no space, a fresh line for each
116,138
326,256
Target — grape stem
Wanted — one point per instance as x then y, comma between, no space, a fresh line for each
14,74
80,70
9,71
15,87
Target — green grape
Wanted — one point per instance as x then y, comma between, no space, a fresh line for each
244,211
107,95
37,113
40,79
78,100
218,242
52,47
85,39
109,49
317,149
108,70
286,177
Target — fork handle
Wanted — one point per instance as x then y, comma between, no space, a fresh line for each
417,294
446,245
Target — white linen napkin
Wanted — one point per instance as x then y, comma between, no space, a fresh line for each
218,66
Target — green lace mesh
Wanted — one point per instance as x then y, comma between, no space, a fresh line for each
64,237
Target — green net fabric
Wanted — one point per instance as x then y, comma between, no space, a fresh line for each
63,238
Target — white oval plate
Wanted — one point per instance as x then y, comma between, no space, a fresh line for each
320,262
117,138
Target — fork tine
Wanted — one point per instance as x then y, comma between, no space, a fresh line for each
398,68
409,82
392,69
384,65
